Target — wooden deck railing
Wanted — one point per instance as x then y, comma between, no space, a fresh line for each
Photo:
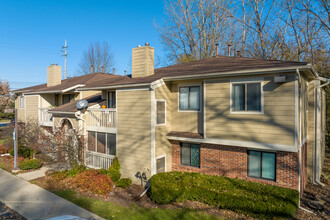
98,160
99,118
45,118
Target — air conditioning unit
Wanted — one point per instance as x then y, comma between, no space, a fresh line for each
279,79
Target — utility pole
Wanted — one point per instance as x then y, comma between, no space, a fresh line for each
65,54
15,137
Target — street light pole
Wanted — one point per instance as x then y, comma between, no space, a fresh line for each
15,137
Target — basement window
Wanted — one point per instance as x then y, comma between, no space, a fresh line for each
261,165
190,154
160,164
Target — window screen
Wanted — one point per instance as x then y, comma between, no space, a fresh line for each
91,141
67,98
190,154
160,163
112,99
111,144
101,145
189,98
161,112
22,104
246,97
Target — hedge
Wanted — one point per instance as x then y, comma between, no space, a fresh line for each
6,115
30,164
254,199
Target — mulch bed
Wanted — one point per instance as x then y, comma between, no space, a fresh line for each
8,162
8,213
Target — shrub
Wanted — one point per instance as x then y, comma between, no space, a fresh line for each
3,149
30,164
124,183
91,181
23,152
6,116
246,197
114,170
77,169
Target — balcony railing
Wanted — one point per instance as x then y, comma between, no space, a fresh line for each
101,119
98,160
45,118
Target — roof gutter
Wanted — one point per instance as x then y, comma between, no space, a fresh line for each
235,73
116,87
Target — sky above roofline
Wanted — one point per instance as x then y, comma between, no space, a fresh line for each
33,32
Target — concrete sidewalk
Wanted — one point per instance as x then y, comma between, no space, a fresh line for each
34,174
33,202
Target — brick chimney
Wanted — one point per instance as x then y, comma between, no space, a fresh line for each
53,75
143,61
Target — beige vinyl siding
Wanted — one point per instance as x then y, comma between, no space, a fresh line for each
134,132
32,107
163,146
20,111
275,126
311,129
85,94
186,121
47,100
323,124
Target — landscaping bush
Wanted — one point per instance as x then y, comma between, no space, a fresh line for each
30,164
23,152
246,197
3,149
124,183
114,170
76,170
6,116
91,181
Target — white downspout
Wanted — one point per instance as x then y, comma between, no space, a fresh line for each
317,109
299,140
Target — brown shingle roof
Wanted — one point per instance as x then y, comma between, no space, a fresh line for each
67,83
71,107
219,64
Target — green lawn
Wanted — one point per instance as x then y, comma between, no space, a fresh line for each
109,210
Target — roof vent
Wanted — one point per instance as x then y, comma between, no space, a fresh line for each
147,44
139,45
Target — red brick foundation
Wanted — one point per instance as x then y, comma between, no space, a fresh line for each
231,161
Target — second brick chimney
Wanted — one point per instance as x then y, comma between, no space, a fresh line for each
143,61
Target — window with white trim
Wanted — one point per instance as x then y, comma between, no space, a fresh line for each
112,99
22,101
160,165
189,98
262,164
161,112
246,97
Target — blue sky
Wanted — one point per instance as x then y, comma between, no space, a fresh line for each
33,32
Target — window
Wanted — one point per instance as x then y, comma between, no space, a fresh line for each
189,98
22,101
246,97
66,98
190,154
112,99
160,165
161,112
261,165
102,142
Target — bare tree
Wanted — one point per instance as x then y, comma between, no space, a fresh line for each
193,27
98,57
5,99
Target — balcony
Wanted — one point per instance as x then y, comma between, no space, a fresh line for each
102,120
98,160
45,118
